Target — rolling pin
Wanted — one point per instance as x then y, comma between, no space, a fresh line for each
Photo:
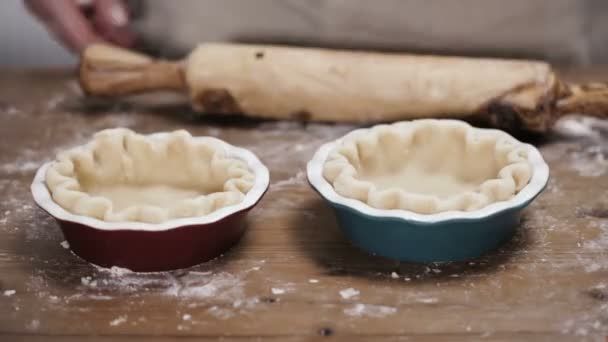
312,84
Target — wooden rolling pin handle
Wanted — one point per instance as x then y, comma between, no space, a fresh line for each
588,99
111,71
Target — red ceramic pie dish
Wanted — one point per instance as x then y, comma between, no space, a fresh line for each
146,247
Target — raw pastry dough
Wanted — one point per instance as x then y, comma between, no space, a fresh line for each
124,176
428,166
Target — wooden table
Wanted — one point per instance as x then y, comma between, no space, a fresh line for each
284,280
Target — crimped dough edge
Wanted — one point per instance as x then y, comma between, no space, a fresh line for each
121,156
342,168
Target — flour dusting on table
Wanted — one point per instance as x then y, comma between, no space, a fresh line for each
119,320
277,291
590,157
349,293
370,310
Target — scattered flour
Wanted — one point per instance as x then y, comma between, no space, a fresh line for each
591,159
298,179
221,284
55,101
277,291
85,280
427,300
88,281
589,323
114,271
193,287
99,297
590,162
117,119
20,166
65,244
576,127
119,320
33,325
394,275
285,287
313,281
349,293
598,245
272,135
4,219
369,310
220,313
213,132
591,267
73,87
9,111
9,293
28,161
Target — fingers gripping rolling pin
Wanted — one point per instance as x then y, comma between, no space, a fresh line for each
347,86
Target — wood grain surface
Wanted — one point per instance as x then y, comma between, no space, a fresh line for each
283,281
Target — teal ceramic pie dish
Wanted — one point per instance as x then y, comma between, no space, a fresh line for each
438,237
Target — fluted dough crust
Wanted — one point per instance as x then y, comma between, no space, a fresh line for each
428,166
125,176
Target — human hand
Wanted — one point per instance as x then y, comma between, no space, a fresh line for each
78,23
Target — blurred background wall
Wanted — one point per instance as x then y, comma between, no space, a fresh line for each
561,31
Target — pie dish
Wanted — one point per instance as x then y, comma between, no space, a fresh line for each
428,190
151,202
